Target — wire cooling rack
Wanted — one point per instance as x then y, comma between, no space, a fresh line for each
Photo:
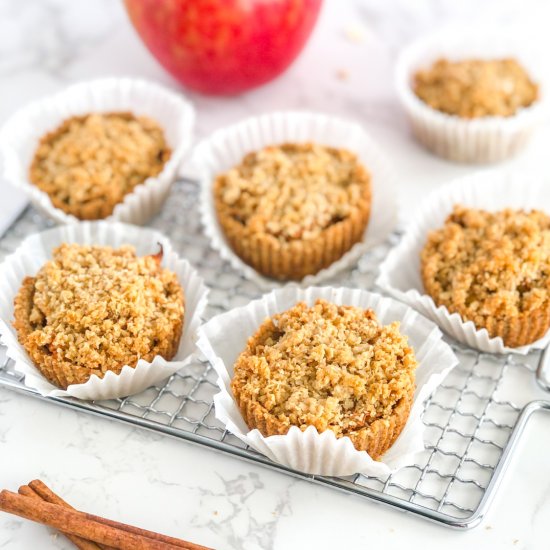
474,419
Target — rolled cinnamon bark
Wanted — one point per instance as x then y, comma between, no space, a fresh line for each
80,543
47,494
78,523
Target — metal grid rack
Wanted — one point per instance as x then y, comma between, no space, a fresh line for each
474,418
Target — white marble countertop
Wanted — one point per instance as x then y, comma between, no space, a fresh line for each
184,490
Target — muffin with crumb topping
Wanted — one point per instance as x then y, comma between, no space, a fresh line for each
291,210
474,88
94,309
492,268
328,366
90,163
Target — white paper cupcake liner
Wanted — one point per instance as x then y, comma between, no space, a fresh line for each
400,273
226,148
224,337
20,135
482,140
37,249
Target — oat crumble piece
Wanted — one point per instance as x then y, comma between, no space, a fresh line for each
476,88
90,163
328,366
492,268
93,309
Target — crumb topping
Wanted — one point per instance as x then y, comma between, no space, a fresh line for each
100,308
328,366
91,162
293,191
489,264
476,88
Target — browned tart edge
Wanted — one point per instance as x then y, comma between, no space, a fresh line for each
515,332
293,260
375,439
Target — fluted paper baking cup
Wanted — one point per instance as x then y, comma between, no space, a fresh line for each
226,148
480,140
20,135
37,249
224,337
400,273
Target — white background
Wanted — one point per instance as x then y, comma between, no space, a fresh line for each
179,489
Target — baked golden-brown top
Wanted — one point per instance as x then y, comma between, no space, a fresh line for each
293,191
91,309
475,88
328,366
485,265
91,162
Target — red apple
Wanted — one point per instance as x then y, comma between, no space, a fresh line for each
224,46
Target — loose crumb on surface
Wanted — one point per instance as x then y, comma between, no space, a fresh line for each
355,33
342,74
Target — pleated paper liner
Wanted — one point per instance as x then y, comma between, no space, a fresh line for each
20,135
481,140
37,249
400,273
310,451
226,148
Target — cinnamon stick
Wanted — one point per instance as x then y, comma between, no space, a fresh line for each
79,523
41,490
47,494
80,543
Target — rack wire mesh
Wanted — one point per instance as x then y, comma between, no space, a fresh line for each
474,419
